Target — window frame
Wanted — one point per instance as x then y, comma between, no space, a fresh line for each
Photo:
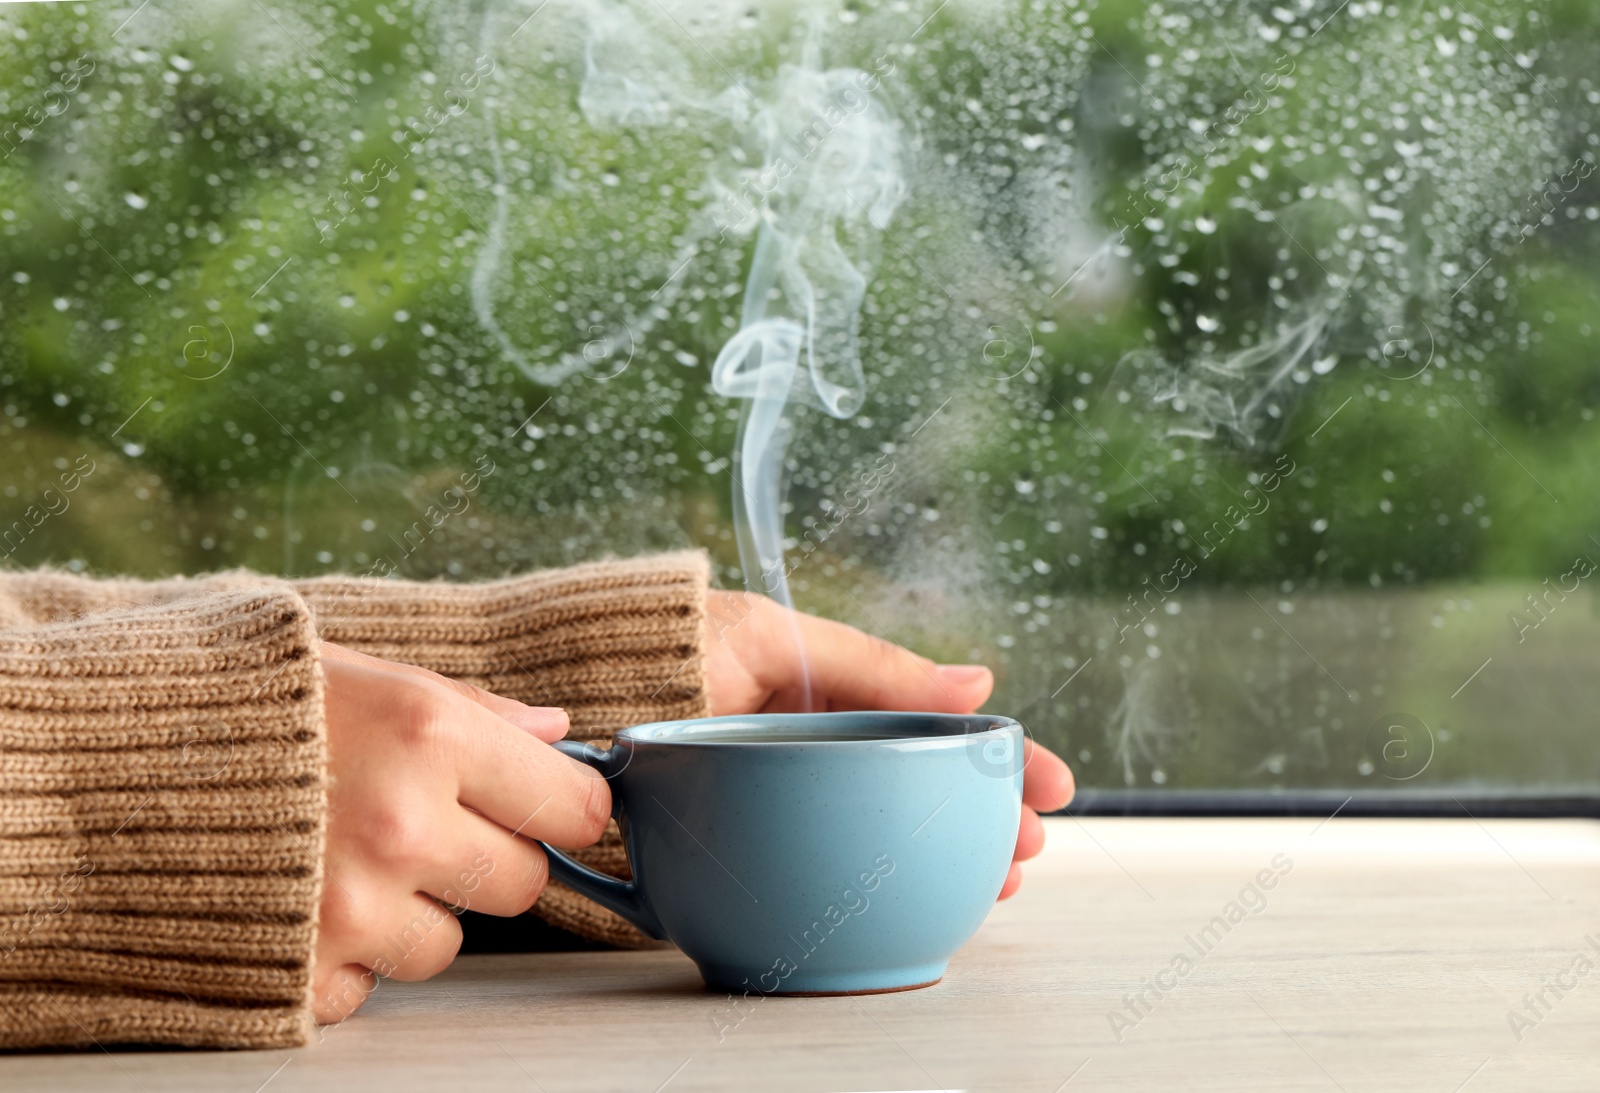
1368,803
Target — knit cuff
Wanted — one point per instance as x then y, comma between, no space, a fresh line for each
615,643
162,798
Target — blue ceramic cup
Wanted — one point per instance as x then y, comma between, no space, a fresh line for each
834,853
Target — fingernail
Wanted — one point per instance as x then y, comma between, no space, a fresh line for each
963,674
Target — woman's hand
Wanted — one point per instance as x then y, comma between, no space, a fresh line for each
752,667
1046,786
436,789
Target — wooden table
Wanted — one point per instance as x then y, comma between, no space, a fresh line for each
1388,957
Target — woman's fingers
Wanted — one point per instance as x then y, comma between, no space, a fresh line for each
373,925
421,940
487,869
548,723
1030,835
1047,783
337,991
500,770
525,785
763,656
1030,840
850,670
429,724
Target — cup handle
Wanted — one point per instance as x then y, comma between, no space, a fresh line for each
623,897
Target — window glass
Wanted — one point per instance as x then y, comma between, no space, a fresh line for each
1224,373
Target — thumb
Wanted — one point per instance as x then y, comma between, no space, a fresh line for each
853,670
973,682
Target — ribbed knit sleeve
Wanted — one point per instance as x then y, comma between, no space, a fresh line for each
615,643
162,803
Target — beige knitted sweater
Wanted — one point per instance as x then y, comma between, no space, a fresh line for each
163,783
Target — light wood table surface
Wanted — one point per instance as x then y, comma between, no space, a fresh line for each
1388,958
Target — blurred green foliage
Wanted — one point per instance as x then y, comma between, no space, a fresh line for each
277,368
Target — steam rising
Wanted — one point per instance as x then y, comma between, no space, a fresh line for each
1233,391
803,296
829,165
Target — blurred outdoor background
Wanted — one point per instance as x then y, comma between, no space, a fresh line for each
1228,369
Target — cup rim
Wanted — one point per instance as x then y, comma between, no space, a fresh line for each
703,731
